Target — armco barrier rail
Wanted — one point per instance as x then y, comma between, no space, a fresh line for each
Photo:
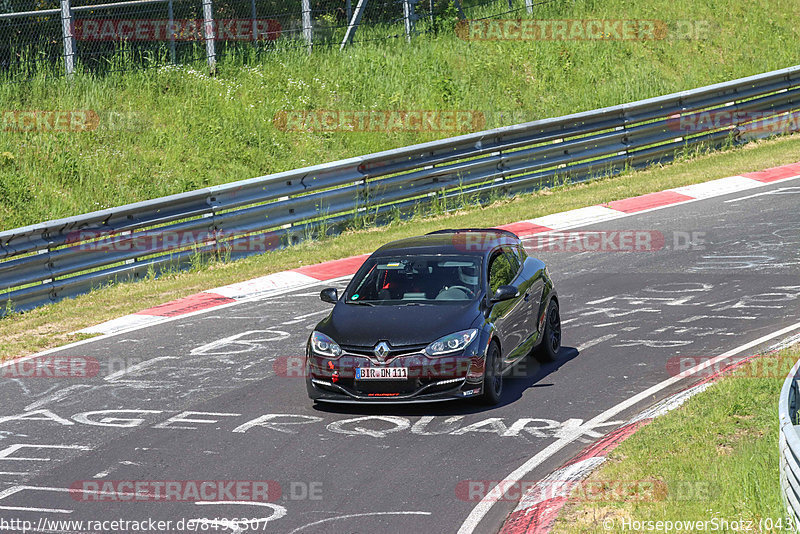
790,445
61,258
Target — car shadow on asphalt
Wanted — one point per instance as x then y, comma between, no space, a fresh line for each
528,373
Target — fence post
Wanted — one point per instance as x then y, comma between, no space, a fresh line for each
69,37
307,29
253,16
351,27
208,33
171,31
460,9
408,17
529,6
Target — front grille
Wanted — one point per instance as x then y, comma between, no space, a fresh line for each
393,351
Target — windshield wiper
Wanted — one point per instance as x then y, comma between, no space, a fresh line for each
417,304
360,302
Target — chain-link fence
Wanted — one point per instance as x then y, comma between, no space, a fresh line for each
70,35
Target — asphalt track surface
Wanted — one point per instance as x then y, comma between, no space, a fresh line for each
383,468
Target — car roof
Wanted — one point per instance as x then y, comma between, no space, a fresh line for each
469,241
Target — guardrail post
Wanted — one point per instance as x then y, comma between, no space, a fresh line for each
354,21
307,27
68,36
171,31
208,35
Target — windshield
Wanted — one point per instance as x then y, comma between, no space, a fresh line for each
418,279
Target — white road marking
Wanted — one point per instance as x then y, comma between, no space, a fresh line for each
278,511
602,300
350,516
126,323
734,262
654,343
239,345
301,318
137,367
16,489
670,403
779,191
594,342
695,318
786,342
721,186
6,453
578,217
263,285
480,510
58,395
29,509
559,483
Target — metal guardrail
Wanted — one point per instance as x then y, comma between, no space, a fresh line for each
789,443
65,257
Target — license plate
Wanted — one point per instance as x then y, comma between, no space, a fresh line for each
381,373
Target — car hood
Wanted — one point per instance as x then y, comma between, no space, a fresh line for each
364,326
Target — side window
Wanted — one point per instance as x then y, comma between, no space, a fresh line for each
501,271
513,258
522,254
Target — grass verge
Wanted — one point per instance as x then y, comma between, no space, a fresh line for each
166,130
714,459
50,326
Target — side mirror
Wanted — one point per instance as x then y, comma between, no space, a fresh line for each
504,293
329,294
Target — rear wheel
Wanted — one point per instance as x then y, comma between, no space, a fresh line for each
551,337
493,376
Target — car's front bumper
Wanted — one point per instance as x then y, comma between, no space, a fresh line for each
429,379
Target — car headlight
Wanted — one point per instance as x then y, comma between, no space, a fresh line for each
451,343
324,346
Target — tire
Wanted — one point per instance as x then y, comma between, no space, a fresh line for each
493,376
547,350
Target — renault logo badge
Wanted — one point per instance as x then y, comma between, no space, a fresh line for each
381,350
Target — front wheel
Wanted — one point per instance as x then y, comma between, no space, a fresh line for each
493,376
551,337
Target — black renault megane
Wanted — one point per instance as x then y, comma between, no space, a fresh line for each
436,317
